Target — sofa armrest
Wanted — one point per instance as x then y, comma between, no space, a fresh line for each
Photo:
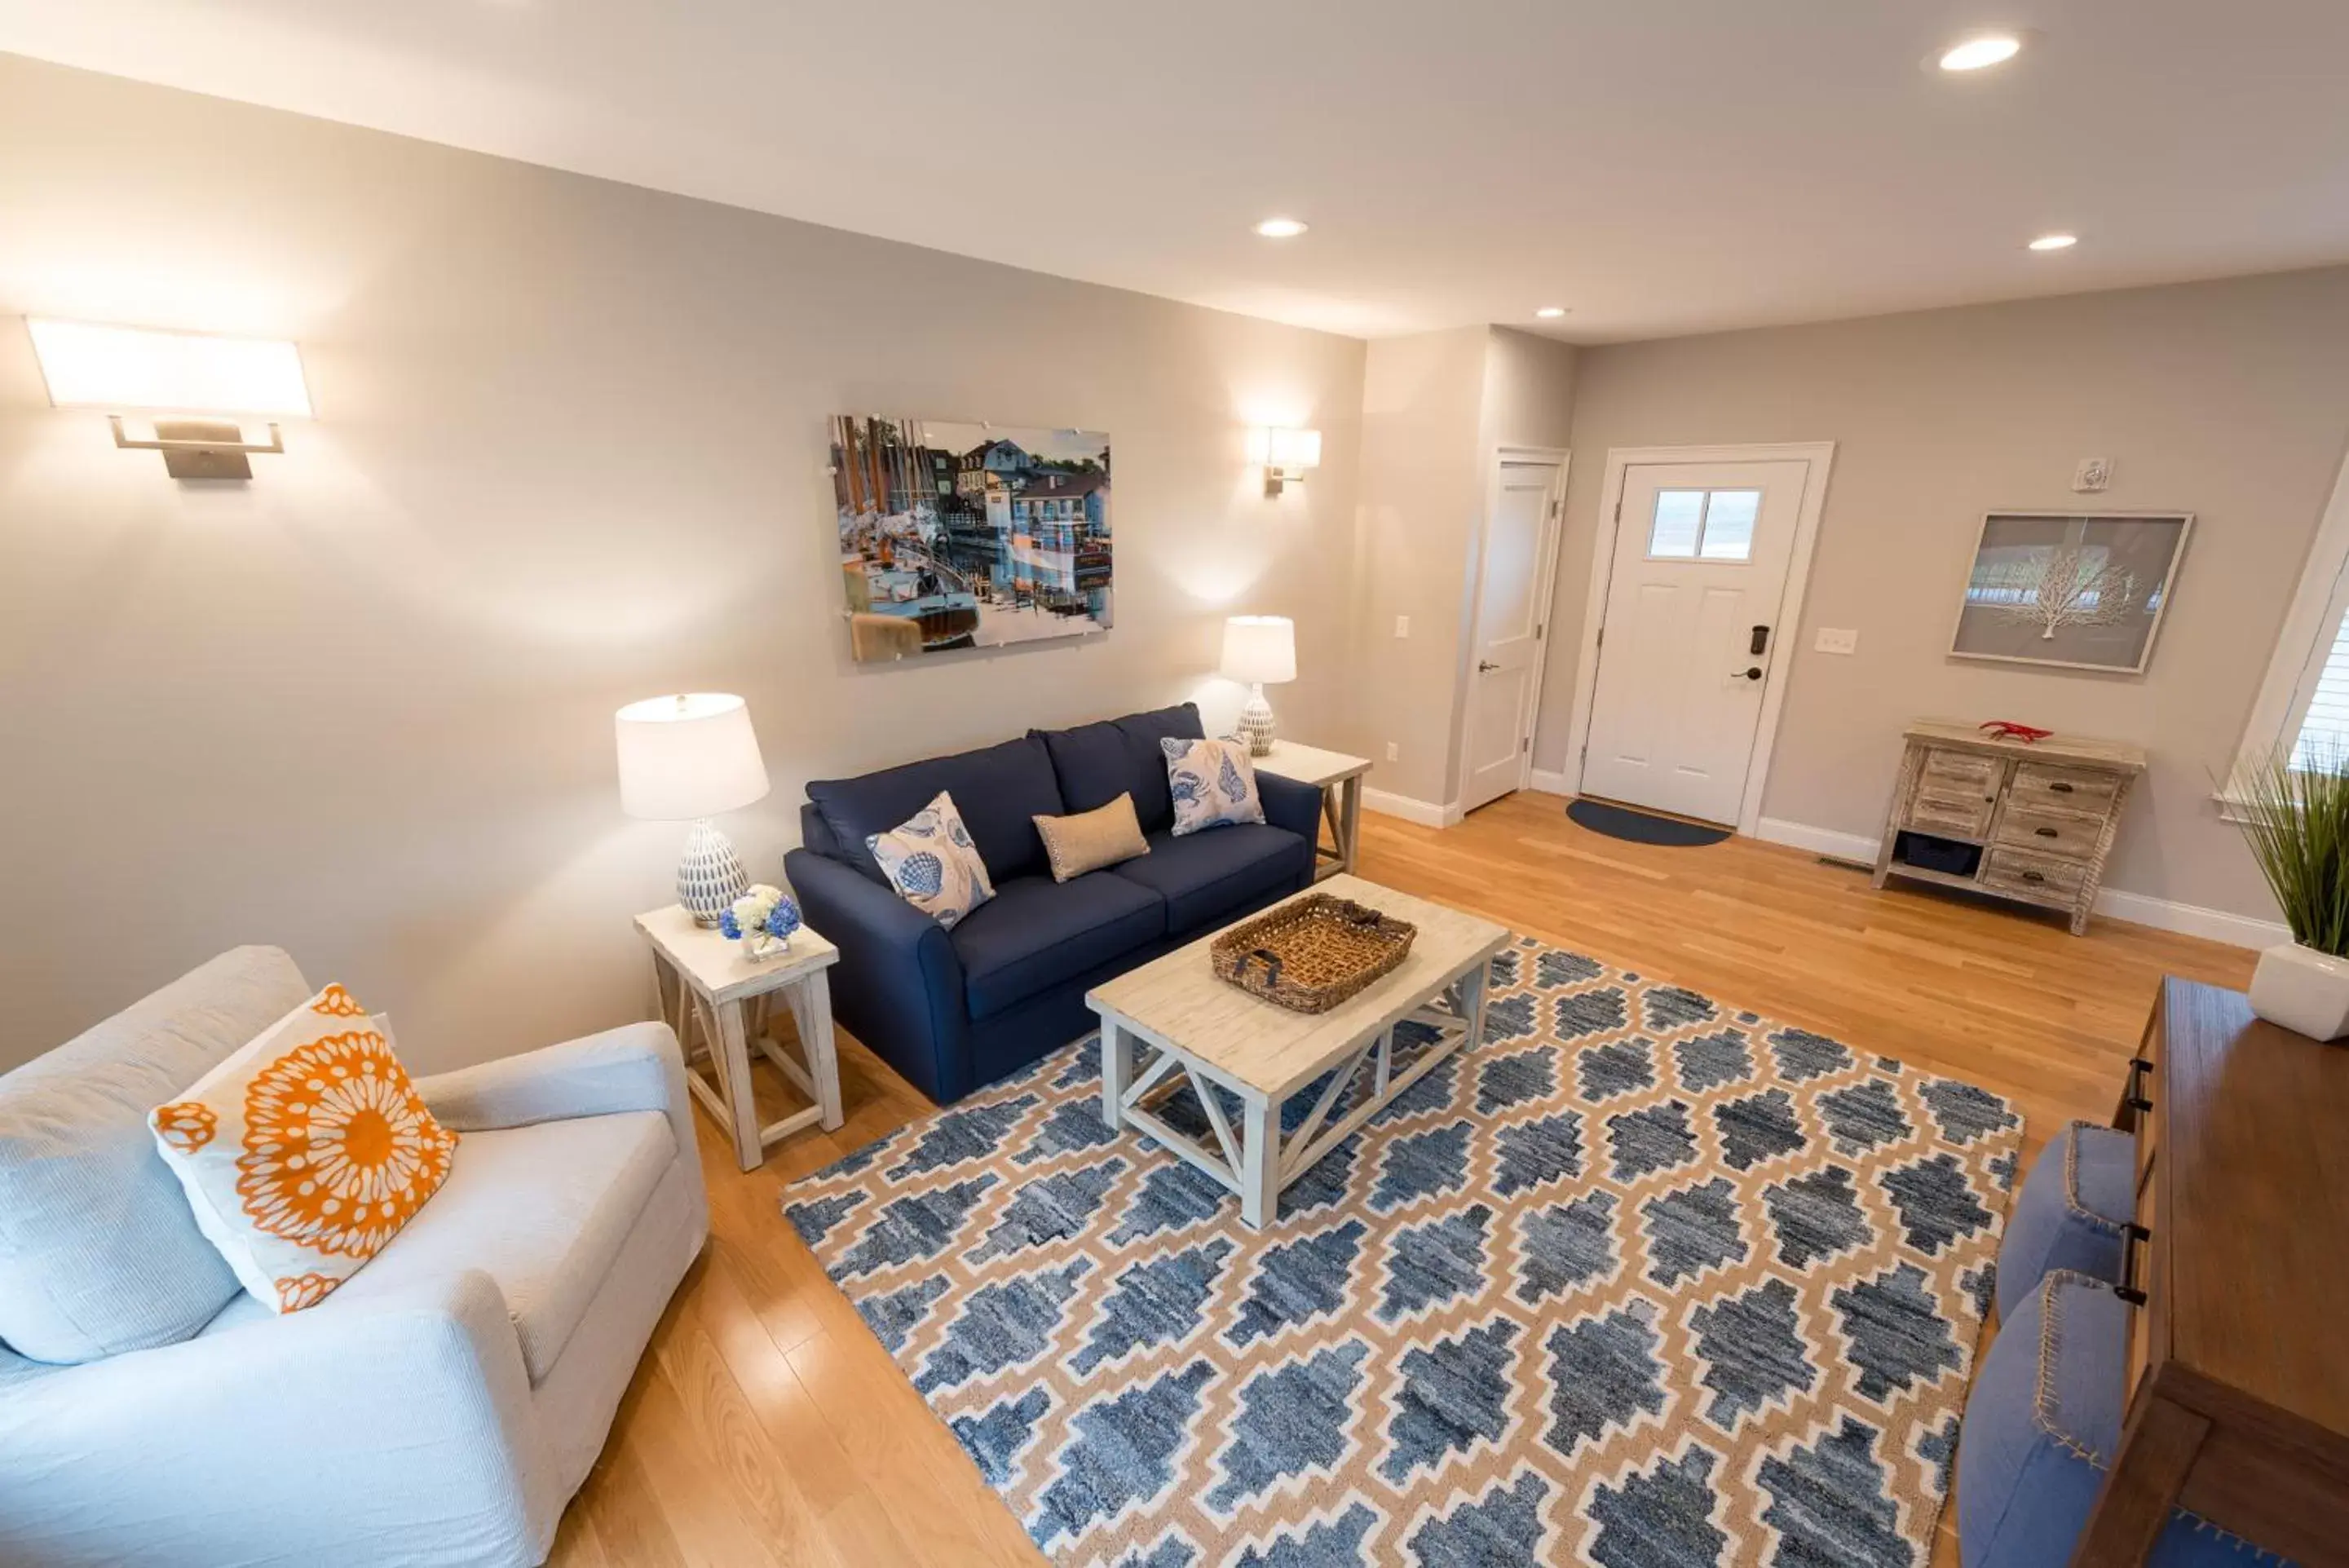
398,1428
1293,805
898,985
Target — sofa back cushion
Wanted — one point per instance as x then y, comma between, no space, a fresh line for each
99,1252
1098,763
1000,790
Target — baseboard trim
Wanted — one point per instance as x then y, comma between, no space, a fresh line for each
1425,813
1548,782
2143,909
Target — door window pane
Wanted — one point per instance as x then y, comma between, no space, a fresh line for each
1679,517
1729,517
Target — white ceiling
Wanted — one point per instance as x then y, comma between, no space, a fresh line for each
1660,166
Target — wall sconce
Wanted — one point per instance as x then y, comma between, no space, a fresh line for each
118,368
1285,454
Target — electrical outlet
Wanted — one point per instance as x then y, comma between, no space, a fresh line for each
1402,629
1394,752
1832,640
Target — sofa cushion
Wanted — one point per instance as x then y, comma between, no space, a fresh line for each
2071,1213
99,1252
1204,875
2042,1424
1036,932
542,1209
1098,763
1000,790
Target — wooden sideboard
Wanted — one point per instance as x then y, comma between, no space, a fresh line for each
2029,821
2237,1392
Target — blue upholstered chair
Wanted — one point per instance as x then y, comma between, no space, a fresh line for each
2041,1426
2072,1214
953,1010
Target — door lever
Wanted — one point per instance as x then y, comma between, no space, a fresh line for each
1751,672
1485,667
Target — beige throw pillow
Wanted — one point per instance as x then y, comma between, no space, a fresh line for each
1090,840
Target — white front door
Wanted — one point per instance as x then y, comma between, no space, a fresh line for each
1512,593
1692,605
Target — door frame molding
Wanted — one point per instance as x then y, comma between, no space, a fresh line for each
1819,456
1545,591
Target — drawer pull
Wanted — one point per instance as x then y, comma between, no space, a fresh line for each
2129,1289
2047,833
2134,1097
2059,787
2035,875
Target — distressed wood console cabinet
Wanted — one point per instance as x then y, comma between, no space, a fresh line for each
2030,822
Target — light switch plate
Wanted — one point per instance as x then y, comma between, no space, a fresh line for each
1402,625
1394,752
1838,640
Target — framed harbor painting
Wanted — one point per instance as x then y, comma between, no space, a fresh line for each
969,536
2079,590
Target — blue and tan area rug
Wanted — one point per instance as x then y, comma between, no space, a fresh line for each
1643,1281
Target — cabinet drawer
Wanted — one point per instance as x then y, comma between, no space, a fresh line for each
2049,831
2137,1267
2063,789
1948,809
1957,772
2045,876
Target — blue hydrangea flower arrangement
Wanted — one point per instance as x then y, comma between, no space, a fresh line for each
762,921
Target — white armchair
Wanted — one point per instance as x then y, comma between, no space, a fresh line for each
440,1408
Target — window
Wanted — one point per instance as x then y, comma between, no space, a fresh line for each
2304,703
1703,524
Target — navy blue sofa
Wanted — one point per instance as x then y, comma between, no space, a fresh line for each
954,1010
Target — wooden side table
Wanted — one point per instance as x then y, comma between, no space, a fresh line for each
1339,777
705,990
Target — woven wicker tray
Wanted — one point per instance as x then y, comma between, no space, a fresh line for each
1313,954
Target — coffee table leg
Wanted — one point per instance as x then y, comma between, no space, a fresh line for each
1259,1163
1117,1071
1472,986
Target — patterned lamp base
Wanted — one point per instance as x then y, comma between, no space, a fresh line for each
711,877
1256,723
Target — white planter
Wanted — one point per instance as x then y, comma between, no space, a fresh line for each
2303,990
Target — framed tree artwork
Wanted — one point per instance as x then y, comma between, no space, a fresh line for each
2078,590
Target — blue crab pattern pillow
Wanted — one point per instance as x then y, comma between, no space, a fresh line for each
1213,783
931,861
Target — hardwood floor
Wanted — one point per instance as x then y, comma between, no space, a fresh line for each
767,1425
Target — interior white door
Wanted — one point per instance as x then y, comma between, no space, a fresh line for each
1692,599
1520,536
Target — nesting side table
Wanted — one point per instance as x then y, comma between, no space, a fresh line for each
719,1002
1339,777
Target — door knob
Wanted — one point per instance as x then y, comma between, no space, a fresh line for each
1485,666
1751,672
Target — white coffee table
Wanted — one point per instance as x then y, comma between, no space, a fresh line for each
1191,1022
704,986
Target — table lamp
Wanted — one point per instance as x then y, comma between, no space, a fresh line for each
1258,649
685,759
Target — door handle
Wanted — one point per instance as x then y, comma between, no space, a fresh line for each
1751,672
1485,667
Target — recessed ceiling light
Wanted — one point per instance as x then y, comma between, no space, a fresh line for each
1280,228
1982,50
2054,241
1550,312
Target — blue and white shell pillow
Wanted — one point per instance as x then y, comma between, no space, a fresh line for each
1213,783
931,861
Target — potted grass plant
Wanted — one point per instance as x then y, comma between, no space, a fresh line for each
2294,808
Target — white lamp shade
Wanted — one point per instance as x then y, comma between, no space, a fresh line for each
118,368
1280,446
1260,647
687,757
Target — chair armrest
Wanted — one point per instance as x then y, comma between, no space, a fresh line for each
898,985
398,1429
1293,805
636,1067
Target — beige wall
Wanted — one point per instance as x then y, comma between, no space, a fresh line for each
1435,407
2231,399
568,454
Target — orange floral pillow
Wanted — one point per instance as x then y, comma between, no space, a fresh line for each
304,1152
